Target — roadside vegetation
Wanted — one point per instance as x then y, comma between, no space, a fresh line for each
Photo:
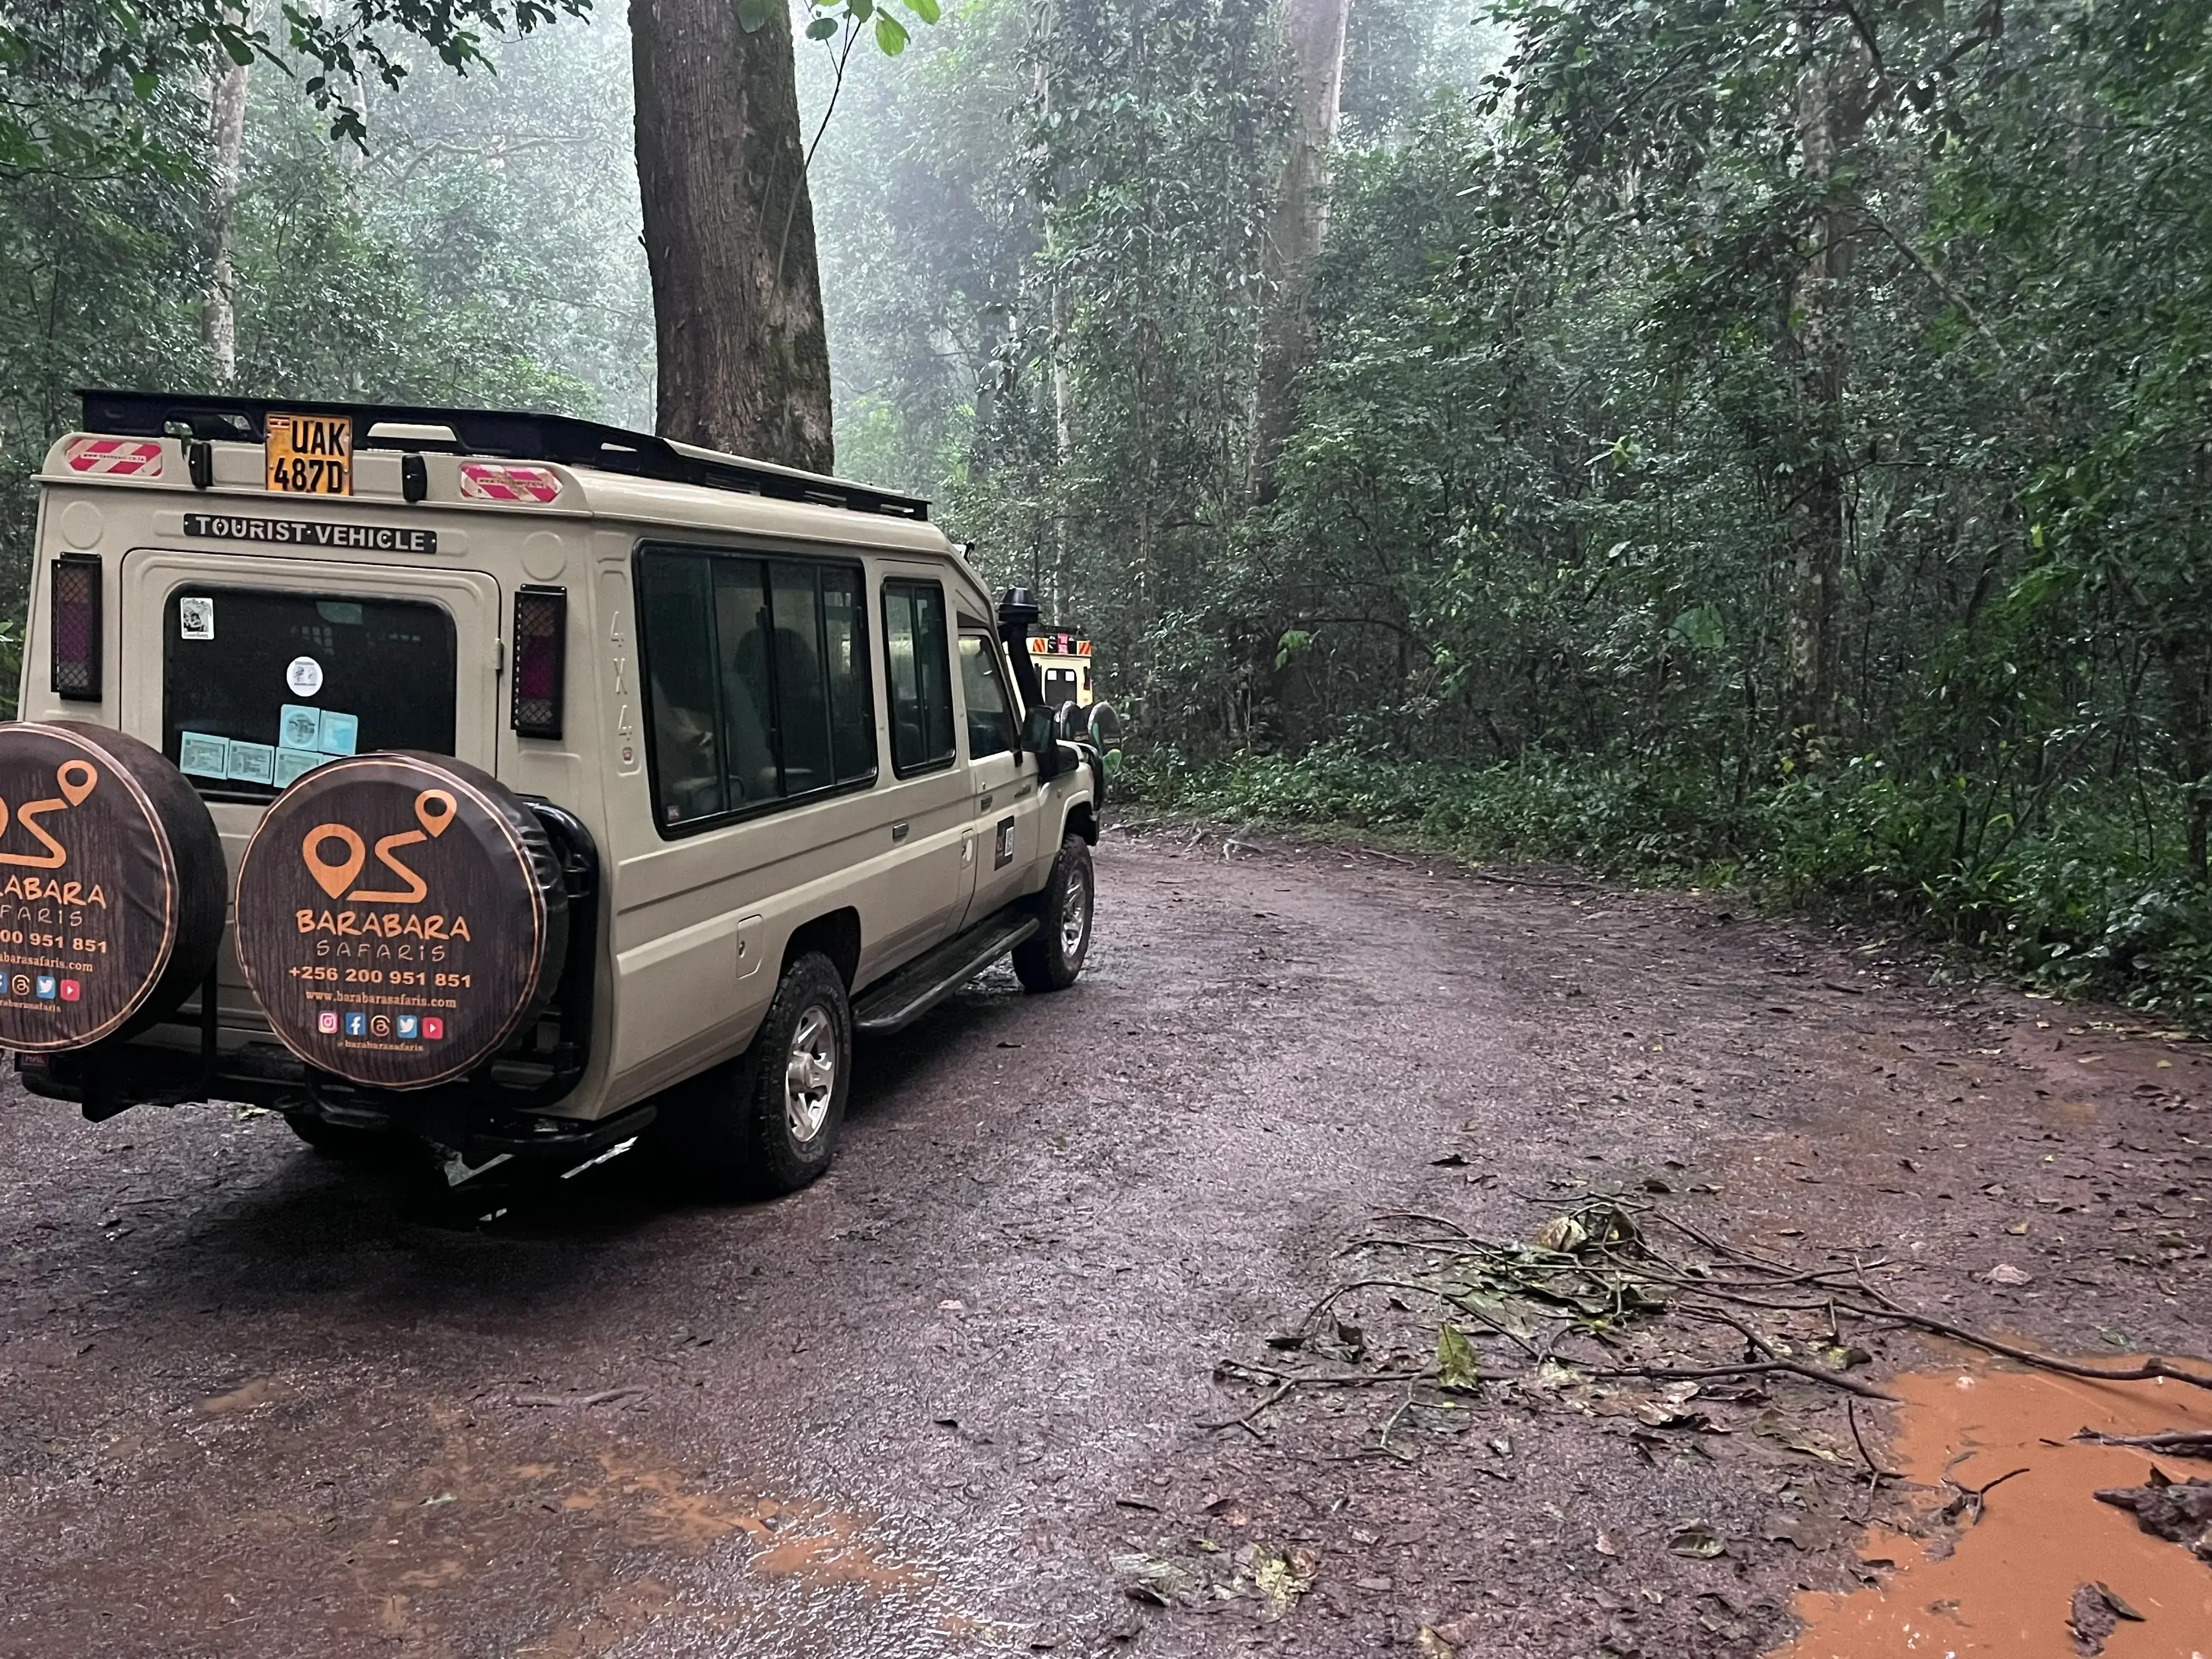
2077,902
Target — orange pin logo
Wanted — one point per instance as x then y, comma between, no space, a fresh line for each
434,811
333,876
76,779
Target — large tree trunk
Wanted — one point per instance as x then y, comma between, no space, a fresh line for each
729,234
218,315
1313,35
1816,336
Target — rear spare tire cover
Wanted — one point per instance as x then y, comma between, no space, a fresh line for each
112,885
400,917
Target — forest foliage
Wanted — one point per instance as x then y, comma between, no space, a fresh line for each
1741,440
1759,441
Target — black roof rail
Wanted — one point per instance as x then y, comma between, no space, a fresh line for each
509,434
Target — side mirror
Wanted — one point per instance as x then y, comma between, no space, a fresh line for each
1039,739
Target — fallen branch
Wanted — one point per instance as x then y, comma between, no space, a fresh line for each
605,1397
1351,1381
1974,1498
1749,1368
1443,1295
2180,1443
2151,1369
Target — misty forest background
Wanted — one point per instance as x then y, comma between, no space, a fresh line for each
1713,440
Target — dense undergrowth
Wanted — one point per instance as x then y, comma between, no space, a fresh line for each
2072,904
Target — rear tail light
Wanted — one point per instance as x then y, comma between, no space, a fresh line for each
525,486
541,654
75,618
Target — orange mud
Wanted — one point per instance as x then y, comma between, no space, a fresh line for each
2006,1589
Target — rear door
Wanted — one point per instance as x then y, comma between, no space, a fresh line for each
922,900
247,672
1002,784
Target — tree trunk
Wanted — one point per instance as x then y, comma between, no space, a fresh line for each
729,234
1313,35
1816,345
1058,604
227,125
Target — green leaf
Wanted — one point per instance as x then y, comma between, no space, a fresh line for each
1699,626
924,9
821,29
890,34
753,15
1455,1362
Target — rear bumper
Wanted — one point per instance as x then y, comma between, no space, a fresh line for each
480,1119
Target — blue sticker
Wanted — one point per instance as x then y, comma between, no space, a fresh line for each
203,756
253,763
293,764
299,727
339,733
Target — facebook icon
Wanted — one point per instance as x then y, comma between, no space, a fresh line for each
356,1024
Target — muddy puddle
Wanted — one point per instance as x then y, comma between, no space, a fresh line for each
2007,1585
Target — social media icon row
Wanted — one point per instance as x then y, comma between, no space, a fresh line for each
408,1028
47,987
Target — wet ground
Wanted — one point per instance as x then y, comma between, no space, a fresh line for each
950,1401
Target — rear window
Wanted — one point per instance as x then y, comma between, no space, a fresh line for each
259,687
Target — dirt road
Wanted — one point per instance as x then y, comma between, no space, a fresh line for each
949,1400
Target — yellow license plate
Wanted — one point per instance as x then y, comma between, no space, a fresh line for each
311,455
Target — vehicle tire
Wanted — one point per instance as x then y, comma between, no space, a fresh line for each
768,1123
1052,958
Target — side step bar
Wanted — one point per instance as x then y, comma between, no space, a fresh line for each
920,986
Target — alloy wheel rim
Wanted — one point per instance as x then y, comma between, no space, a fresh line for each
1075,915
810,1074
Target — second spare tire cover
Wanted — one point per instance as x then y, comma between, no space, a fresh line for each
400,917
112,887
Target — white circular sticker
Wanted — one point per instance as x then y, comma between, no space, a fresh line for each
304,676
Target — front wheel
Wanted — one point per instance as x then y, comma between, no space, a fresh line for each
768,1122
1050,958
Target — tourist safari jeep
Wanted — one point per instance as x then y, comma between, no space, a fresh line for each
501,782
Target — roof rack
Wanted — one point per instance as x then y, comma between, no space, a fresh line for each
509,434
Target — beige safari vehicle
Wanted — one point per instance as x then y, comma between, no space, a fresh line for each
564,778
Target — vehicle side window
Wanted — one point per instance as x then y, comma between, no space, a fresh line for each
920,672
992,727
755,670
674,605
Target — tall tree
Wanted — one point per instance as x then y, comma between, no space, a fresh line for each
1313,39
227,133
729,232
729,221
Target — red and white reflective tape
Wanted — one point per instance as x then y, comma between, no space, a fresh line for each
115,458
534,485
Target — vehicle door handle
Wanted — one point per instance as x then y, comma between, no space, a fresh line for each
898,831
985,805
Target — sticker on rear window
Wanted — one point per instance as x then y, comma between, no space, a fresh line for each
196,619
203,756
253,763
293,764
299,727
304,676
339,733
